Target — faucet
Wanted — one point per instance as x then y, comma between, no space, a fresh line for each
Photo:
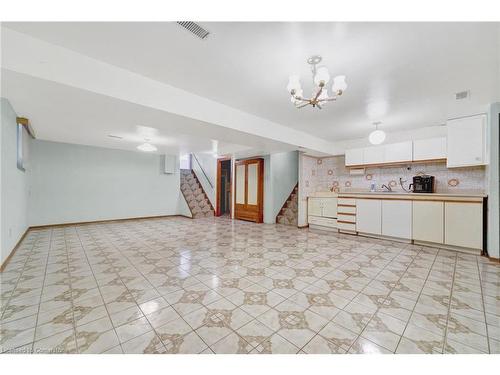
386,187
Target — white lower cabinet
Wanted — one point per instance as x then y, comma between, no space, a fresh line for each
463,224
397,218
322,211
369,216
428,221
314,207
329,207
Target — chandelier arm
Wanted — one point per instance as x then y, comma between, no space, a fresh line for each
302,105
318,93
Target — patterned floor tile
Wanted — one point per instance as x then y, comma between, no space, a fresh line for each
174,285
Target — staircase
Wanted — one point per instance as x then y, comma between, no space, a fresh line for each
195,196
289,212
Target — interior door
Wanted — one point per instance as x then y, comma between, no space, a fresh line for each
249,190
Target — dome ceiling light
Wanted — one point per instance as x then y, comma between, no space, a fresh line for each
320,77
377,136
146,146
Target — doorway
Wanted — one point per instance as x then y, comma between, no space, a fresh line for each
223,191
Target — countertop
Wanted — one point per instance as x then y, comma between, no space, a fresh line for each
475,196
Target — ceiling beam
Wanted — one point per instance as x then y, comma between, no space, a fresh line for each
24,54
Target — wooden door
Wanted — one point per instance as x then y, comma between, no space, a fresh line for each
249,190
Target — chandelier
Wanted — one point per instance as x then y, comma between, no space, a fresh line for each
320,78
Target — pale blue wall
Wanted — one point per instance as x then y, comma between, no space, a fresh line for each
493,183
14,184
74,183
280,177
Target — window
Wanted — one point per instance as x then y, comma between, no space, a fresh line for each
20,142
24,135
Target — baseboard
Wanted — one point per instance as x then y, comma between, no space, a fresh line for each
459,249
104,221
4,264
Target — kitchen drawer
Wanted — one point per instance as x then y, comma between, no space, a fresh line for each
346,210
350,218
347,201
322,221
346,226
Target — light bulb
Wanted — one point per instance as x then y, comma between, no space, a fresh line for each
293,83
322,75
339,84
376,137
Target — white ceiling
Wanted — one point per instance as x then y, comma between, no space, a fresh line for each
403,74
66,114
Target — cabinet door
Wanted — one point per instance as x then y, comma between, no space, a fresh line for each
314,206
463,223
354,156
398,152
369,216
329,207
429,149
374,155
397,218
428,221
466,141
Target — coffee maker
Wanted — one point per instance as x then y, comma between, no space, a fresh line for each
422,184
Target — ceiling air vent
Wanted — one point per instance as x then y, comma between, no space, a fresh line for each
194,28
462,95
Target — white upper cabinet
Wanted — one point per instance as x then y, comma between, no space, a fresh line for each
374,155
398,152
429,149
354,156
466,144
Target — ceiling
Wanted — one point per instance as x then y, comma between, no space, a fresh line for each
403,74
66,114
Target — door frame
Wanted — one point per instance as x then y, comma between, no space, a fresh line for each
218,186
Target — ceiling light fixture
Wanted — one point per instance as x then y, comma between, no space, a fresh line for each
147,147
320,78
377,136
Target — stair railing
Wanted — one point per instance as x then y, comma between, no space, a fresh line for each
203,171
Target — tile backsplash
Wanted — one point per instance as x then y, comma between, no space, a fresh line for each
330,173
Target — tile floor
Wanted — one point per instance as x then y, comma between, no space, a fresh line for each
211,285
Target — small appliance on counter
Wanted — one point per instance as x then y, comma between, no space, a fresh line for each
423,184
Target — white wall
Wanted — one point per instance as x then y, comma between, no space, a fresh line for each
302,198
74,183
493,183
14,184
